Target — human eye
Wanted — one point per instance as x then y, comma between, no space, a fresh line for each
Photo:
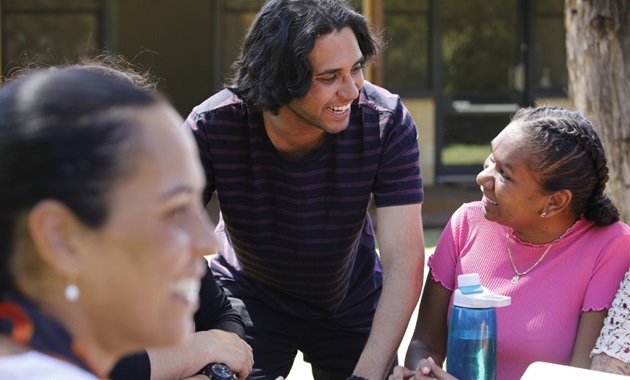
328,79
503,174
487,162
179,215
358,68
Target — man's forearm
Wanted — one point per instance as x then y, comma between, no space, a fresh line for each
401,289
203,347
177,362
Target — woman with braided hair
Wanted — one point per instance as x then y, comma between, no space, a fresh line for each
545,234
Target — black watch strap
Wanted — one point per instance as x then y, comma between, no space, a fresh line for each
217,371
205,371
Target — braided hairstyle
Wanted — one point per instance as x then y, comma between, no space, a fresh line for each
569,155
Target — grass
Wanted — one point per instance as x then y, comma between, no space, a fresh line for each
431,237
465,154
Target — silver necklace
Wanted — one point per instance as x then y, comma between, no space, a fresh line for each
518,274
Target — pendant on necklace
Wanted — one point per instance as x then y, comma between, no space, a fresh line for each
515,279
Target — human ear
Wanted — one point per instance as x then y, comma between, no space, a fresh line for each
53,229
558,202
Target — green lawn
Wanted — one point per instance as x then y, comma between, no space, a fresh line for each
431,236
465,154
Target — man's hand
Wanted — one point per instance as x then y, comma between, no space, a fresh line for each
229,349
427,369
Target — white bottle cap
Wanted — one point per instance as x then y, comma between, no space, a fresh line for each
470,279
472,295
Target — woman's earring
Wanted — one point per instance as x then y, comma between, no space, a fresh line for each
544,213
72,292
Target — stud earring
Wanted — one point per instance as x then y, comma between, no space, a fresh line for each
72,292
544,213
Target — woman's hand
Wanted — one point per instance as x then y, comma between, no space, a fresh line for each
427,369
401,373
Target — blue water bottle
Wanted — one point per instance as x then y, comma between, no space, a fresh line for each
471,349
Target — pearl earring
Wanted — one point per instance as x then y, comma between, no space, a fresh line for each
544,213
72,292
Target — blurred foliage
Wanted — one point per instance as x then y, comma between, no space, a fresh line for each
43,5
478,44
45,32
550,69
406,33
406,60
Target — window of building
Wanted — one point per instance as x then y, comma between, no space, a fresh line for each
237,16
480,45
479,42
406,57
404,64
550,56
49,32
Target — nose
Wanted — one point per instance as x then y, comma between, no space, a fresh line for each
485,179
350,86
204,240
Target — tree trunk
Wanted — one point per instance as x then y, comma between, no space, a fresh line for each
598,61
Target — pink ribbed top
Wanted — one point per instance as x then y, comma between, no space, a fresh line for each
581,272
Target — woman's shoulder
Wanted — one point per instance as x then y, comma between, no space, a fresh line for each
611,232
619,228
471,212
468,221
34,365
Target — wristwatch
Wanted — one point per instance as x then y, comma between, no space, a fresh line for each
217,371
355,377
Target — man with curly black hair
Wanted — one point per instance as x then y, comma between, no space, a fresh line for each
295,148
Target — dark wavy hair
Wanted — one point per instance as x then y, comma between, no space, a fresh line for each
567,154
273,67
67,134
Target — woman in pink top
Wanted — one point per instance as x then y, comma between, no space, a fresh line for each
545,234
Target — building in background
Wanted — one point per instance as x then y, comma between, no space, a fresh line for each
461,66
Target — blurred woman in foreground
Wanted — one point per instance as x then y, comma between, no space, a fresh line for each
102,230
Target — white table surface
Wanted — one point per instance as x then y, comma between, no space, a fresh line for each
548,371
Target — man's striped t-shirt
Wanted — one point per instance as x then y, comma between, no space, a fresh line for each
298,233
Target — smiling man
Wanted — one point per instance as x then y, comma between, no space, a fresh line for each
295,148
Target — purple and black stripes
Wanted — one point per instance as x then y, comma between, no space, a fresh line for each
301,228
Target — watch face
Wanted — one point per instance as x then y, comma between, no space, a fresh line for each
220,371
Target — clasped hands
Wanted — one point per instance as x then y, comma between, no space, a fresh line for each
427,369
